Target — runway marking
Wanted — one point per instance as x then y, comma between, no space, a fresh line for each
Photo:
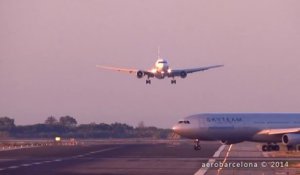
58,160
37,163
225,159
203,170
25,165
16,148
12,167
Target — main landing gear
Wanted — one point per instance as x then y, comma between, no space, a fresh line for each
197,145
270,147
148,81
173,81
293,147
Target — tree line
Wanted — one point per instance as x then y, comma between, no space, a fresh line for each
67,127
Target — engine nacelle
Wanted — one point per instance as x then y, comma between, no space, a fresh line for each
291,139
183,74
140,74
229,142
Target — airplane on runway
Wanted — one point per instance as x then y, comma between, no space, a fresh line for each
231,128
160,70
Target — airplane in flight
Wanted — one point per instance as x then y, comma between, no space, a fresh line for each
232,128
160,70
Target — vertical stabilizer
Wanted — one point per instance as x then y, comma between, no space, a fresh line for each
158,52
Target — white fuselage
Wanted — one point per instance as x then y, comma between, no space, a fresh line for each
161,68
236,127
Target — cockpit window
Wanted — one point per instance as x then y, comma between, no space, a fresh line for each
184,122
162,62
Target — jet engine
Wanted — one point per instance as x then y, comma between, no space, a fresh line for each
140,74
291,139
183,74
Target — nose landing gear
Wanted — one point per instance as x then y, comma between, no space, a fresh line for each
197,145
270,147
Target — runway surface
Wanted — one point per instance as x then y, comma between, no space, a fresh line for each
160,158
115,159
252,160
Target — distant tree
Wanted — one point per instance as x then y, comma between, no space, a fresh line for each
6,123
67,121
51,121
121,130
104,127
141,124
4,135
121,127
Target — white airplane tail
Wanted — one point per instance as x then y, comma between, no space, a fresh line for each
158,52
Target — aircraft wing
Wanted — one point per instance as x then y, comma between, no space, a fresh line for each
279,131
126,70
192,70
118,69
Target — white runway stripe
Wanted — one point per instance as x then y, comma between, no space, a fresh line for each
203,170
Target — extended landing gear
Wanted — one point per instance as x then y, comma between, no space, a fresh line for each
290,147
270,147
293,147
173,81
197,145
148,81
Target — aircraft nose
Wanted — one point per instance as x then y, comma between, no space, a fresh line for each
175,128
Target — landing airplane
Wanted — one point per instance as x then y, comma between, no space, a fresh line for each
160,70
231,128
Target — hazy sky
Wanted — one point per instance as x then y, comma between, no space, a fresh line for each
49,49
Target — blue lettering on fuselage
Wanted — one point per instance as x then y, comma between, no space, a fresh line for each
224,119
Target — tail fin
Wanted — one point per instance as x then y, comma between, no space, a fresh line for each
158,52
